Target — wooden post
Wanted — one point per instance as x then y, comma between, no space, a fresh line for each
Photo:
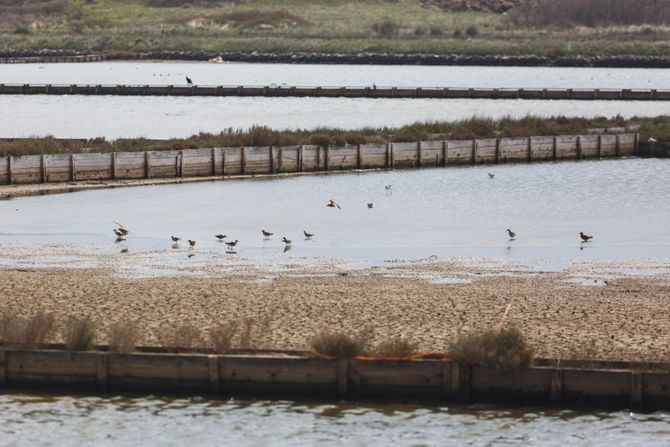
147,164
600,143
326,157
387,156
446,376
301,166
497,150
445,153
73,168
3,368
529,157
243,161
223,162
554,148
359,158
617,146
113,165
213,162
460,381
103,372
280,162
392,156
214,375
43,169
318,158
636,149
419,155
180,156
10,169
579,147
342,377
556,390
474,152
272,160
636,389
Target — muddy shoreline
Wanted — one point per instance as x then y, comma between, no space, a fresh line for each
620,61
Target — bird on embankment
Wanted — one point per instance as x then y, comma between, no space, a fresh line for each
267,234
512,234
189,81
307,235
191,243
220,237
232,244
334,204
585,237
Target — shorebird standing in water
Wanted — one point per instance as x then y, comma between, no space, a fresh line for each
492,175
191,243
286,241
334,204
175,239
220,237
267,234
232,244
370,205
585,237
119,233
512,234
189,81
307,235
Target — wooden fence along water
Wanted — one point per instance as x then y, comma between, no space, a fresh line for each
335,92
306,158
295,376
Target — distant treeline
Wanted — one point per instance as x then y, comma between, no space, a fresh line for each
592,13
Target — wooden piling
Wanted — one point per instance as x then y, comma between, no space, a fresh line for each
326,158
318,158
554,149
600,145
301,165
44,175
102,372
243,161
147,164
498,144
271,154
359,157
529,156
617,146
392,156
280,161
73,168
387,156
10,169
213,162
445,153
3,368
556,387
473,159
114,164
223,162
636,150
214,373
579,147
419,154
180,164
636,389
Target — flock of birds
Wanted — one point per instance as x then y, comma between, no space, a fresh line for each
121,232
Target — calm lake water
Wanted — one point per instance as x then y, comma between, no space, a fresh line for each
438,211
111,421
167,117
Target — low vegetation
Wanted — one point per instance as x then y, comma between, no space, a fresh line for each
502,349
123,336
80,334
499,27
658,127
26,333
397,347
341,345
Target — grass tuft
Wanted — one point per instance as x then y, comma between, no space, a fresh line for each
123,336
396,347
503,350
79,334
341,345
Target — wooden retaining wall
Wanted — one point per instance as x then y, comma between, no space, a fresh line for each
53,59
335,92
293,376
270,160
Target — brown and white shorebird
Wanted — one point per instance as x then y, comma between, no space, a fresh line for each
307,235
191,242
370,205
119,233
220,237
585,237
286,241
175,239
334,204
266,233
232,244
512,234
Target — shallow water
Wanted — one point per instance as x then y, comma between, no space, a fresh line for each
427,212
101,421
168,117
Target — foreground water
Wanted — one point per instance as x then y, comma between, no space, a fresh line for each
429,212
168,117
101,421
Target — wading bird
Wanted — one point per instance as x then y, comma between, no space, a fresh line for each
191,243
286,241
189,81
512,234
370,205
220,237
119,233
232,244
307,235
334,204
266,233
175,239
492,175
585,237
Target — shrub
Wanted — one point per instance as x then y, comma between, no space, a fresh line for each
502,350
31,333
386,28
183,337
253,332
396,347
79,334
123,336
221,336
320,140
341,345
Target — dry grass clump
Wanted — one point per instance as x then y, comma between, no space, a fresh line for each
180,338
341,345
396,347
80,334
503,349
123,336
26,333
221,336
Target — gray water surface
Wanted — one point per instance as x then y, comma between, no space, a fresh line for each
157,421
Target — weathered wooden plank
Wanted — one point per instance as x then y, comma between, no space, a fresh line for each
50,363
159,366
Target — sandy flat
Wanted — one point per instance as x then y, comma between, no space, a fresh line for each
625,315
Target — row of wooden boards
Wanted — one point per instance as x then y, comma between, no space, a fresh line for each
268,160
421,380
